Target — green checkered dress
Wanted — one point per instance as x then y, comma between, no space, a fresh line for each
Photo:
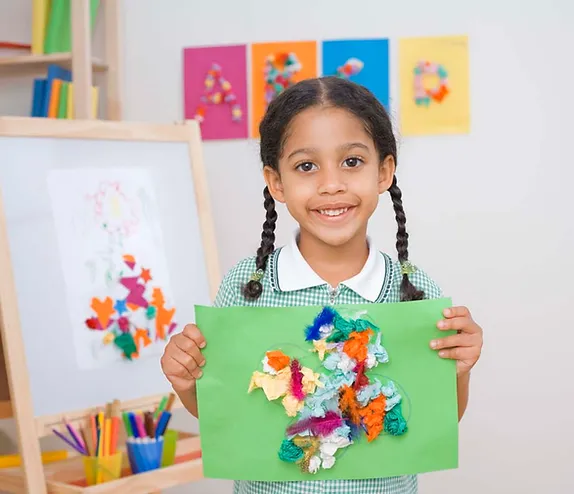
230,295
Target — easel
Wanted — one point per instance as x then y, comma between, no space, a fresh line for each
15,395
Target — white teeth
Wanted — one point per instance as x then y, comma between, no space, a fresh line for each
333,212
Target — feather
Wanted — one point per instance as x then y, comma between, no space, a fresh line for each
355,430
318,426
325,317
348,404
361,379
297,380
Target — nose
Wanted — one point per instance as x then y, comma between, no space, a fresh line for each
331,181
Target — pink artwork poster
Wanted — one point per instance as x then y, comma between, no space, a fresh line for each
215,90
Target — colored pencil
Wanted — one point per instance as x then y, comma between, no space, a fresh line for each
101,434
149,424
170,401
127,424
133,424
162,424
140,425
160,407
86,442
75,436
72,444
107,436
115,427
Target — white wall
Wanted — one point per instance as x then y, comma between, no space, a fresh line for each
490,214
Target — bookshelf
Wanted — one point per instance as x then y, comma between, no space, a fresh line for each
81,61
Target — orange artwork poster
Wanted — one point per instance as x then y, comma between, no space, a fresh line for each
274,67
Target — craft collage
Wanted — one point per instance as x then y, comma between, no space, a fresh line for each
228,88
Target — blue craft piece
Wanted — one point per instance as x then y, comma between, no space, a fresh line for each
120,306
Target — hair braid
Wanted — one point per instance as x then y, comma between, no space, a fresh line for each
253,288
408,290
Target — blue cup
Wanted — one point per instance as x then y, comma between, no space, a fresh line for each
144,454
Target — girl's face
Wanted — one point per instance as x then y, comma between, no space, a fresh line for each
330,175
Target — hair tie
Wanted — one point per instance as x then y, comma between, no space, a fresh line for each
408,268
257,276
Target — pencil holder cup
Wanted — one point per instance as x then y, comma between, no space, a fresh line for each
100,469
169,446
144,454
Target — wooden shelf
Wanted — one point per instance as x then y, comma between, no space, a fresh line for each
65,477
39,63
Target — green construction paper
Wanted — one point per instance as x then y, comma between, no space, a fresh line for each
242,433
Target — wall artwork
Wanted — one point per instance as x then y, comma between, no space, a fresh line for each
215,90
364,61
111,249
275,67
434,85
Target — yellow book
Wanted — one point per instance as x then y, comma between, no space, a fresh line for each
40,12
95,101
70,109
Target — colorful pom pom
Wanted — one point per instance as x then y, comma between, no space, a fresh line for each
226,95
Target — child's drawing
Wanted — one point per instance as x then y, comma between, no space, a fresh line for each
112,253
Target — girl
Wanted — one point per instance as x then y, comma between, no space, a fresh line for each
328,152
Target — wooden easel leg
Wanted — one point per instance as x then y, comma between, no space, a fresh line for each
17,371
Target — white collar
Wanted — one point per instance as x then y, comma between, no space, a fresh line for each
294,273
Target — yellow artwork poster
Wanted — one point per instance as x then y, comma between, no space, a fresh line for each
434,85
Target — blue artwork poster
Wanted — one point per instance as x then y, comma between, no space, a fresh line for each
364,61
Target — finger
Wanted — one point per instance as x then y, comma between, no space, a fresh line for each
462,340
458,324
192,332
188,361
190,347
174,368
459,311
459,353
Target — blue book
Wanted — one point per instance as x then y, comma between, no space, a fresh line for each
54,72
38,97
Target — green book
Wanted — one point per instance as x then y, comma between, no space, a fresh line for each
59,30
63,103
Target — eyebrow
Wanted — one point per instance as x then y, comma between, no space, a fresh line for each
344,147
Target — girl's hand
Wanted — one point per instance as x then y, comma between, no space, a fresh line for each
182,360
464,347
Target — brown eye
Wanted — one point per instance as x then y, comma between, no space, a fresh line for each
306,167
353,162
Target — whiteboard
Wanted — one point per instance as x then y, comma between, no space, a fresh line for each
40,182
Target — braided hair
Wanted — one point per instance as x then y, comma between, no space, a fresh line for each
340,93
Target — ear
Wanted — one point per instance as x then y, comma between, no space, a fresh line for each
273,181
386,173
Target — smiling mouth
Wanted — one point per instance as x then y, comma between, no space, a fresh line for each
332,212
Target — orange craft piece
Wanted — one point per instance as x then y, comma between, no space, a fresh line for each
146,276
440,94
356,346
163,316
277,359
104,310
130,260
373,416
141,338
348,404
